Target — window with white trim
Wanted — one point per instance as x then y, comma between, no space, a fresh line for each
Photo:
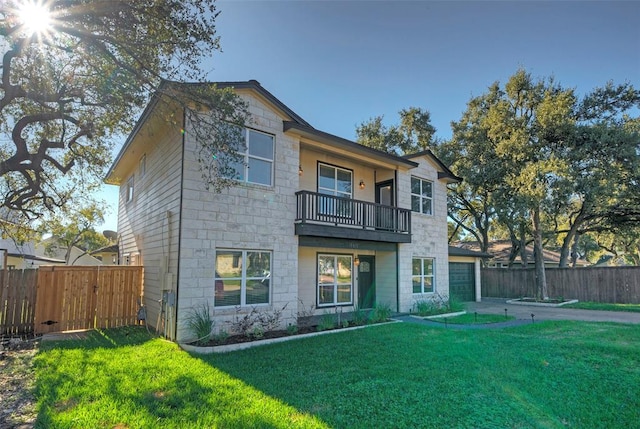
337,182
129,189
421,196
143,165
335,280
256,164
423,275
242,277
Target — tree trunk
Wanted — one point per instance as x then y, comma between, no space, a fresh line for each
570,240
574,250
542,292
523,246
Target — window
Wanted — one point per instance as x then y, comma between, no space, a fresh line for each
256,165
143,165
129,195
335,280
337,182
421,196
423,275
242,277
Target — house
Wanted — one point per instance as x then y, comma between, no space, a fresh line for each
317,224
500,252
24,256
108,255
51,247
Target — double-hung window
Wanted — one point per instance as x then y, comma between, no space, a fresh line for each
256,153
337,182
421,196
422,275
335,280
242,277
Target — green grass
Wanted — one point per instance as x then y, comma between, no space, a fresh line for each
474,319
542,375
604,306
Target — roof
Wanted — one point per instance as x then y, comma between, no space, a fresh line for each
113,248
460,251
444,174
166,85
500,250
335,141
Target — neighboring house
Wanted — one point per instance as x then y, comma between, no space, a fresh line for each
108,255
24,256
500,251
317,222
51,248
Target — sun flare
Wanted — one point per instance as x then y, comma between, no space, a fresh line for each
35,17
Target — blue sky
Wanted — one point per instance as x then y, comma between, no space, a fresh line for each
339,63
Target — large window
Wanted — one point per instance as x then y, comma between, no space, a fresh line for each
256,165
337,182
421,196
423,275
335,280
242,277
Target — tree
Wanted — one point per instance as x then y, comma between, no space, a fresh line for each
68,86
76,228
414,134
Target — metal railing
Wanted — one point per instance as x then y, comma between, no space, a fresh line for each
313,207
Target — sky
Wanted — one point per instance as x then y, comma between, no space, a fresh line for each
339,63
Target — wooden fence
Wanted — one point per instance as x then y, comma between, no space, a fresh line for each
17,301
597,284
62,298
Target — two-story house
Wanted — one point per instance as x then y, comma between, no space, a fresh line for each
314,221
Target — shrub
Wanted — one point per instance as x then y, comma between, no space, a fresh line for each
200,324
326,322
358,317
381,312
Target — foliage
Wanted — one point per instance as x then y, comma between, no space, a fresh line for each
327,322
538,375
76,227
381,312
438,304
200,324
358,316
68,89
292,329
256,322
414,134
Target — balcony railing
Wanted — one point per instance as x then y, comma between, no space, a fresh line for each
315,208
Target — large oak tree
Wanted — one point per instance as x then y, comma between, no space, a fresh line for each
69,86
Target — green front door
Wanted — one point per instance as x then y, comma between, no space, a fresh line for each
366,281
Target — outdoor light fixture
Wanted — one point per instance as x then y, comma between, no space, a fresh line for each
356,261
300,171
361,184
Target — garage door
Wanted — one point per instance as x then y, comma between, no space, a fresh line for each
462,281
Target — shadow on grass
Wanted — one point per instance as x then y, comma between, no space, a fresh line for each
126,378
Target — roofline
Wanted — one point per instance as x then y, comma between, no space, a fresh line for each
461,251
251,84
446,173
343,143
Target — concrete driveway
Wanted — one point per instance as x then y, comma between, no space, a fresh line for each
498,305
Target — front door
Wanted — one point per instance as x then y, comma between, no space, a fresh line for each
366,281
385,216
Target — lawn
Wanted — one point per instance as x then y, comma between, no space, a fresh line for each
543,375
604,306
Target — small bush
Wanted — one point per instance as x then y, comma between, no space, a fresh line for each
292,329
326,322
200,324
358,317
381,313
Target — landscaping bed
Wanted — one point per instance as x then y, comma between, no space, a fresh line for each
551,302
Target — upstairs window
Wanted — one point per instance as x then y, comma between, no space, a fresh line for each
256,165
337,182
421,196
129,190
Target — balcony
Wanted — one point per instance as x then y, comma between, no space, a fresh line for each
322,215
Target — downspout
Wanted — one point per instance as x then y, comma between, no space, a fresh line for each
184,139
395,203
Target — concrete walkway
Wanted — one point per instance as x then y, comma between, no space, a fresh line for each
523,312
